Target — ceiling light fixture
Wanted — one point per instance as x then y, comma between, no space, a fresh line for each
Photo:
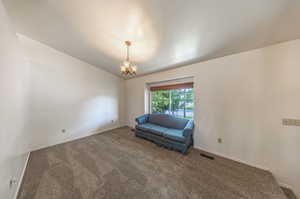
127,67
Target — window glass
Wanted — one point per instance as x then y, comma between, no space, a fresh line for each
176,102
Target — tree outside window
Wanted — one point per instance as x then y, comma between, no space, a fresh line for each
176,102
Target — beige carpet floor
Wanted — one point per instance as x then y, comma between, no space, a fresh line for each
117,165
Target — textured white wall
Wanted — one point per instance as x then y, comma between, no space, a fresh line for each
66,93
13,107
242,99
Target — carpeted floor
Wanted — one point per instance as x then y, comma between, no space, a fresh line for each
117,165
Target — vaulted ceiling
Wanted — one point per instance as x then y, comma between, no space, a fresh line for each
165,33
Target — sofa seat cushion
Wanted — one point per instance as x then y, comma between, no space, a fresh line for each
153,128
174,134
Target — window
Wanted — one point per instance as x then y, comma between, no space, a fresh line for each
176,100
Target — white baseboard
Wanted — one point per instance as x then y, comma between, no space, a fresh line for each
107,129
90,133
245,162
232,158
21,177
285,185
111,128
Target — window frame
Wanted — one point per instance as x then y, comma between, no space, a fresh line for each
175,86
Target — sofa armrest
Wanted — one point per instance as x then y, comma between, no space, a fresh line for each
142,119
189,128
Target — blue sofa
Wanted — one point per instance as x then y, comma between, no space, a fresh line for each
165,130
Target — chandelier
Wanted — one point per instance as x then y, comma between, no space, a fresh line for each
127,67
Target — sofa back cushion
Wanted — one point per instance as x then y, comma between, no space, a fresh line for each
167,121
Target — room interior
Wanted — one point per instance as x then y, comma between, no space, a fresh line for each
96,99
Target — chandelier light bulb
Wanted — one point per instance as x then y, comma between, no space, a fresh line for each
134,68
126,63
123,68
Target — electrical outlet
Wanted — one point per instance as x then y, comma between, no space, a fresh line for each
220,140
12,182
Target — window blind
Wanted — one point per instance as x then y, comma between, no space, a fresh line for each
172,87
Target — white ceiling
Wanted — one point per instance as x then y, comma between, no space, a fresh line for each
165,33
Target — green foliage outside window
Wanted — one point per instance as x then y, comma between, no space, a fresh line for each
177,102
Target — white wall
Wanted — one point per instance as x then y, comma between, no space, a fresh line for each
66,93
43,91
242,99
13,102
